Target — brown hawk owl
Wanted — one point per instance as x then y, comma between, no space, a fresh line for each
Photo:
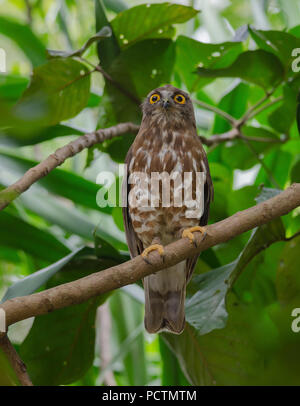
167,142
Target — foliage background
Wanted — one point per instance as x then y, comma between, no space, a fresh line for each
246,341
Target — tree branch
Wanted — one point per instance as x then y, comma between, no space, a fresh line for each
78,291
74,147
60,155
15,361
216,110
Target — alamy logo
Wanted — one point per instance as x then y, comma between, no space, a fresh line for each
154,190
296,61
2,61
296,322
2,321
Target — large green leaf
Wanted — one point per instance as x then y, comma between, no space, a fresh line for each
149,63
238,155
115,5
20,235
63,84
26,40
279,43
59,348
149,21
252,349
278,162
259,67
31,283
283,117
12,86
205,310
43,134
58,181
68,217
191,53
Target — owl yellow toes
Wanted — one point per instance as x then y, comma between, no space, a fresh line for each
188,233
154,247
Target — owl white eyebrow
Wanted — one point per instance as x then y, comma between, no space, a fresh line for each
166,93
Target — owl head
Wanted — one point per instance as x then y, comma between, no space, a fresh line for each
168,102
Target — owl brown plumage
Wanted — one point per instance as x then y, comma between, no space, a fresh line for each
167,142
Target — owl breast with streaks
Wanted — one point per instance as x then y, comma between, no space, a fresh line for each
170,149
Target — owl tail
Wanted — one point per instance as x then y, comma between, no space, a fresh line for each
164,300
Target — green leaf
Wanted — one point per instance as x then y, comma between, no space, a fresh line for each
233,102
278,162
11,87
115,5
59,348
295,172
279,43
43,134
171,371
127,315
59,182
238,155
149,21
222,357
149,64
63,84
26,40
191,53
69,218
205,310
108,49
16,233
283,117
259,67
34,281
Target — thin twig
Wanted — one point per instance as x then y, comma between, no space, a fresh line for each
266,106
219,138
17,364
216,110
28,12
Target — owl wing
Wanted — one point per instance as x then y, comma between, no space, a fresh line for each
208,197
134,243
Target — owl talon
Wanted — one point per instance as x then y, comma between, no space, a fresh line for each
155,247
188,233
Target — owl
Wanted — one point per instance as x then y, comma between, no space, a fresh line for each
167,143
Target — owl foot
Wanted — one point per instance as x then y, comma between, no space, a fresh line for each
154,247
188,233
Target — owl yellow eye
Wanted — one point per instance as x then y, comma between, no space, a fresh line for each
154,98
179,98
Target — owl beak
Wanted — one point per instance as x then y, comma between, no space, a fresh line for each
165,103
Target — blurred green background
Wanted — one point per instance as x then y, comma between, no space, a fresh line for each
230,56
